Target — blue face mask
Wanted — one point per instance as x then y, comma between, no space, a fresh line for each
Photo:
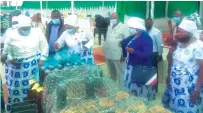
25,33
70,31
133,31
113,21
56,21
176,19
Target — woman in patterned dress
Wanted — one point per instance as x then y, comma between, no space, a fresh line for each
138,50
25,49
78,40
184,93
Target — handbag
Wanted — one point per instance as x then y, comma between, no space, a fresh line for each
144,75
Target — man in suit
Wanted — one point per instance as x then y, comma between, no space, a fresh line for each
54,30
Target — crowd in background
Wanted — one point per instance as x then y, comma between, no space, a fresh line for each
129,50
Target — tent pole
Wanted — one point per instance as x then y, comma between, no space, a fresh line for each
166,9
115,9
41,8
72,7
16,4
152,9
147,9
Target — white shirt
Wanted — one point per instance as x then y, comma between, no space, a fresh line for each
111,48
17,46
156,36
74,41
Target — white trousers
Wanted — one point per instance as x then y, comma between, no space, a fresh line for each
117,70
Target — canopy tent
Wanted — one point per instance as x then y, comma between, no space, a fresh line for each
142,9
161,9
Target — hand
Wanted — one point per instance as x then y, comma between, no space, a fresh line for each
56,46
159,59
122,59
168,80
40,63
169,22
201,37
5,90
129,50
14,62
194,97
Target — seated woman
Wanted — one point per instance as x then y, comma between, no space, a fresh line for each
79,41
137,48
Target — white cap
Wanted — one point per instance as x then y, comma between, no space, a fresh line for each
71,20
24,21
137,23
188,26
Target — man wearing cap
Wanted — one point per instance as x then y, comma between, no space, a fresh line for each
77,39
26,48
138,51
111,49
185,80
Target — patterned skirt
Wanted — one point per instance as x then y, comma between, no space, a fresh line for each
177,95
138,90
17,79
87,57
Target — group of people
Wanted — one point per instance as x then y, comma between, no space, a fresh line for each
137,43
140,43
28,43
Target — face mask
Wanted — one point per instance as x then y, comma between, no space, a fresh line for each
113,21
25,33
148,28
70,31
133,31
176,19
14,26
56,21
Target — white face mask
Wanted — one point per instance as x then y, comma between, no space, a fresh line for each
113,22
15,26
133,31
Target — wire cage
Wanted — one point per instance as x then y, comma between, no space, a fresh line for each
84,89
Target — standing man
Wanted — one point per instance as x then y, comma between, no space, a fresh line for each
112,51
156,36
54,30
174,22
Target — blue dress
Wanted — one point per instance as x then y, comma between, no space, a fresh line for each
183,78
143,50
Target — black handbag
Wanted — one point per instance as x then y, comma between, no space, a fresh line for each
144,75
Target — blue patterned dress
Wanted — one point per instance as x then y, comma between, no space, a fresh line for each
183,78
17,79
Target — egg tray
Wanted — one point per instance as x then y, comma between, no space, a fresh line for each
130,104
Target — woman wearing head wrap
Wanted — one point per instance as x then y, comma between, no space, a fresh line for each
184,93
137,48
26,48
78,40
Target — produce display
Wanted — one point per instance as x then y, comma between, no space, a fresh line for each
84,89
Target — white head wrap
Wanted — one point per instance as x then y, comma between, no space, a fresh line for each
71,20
15,18
188,26
24,21
137,23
